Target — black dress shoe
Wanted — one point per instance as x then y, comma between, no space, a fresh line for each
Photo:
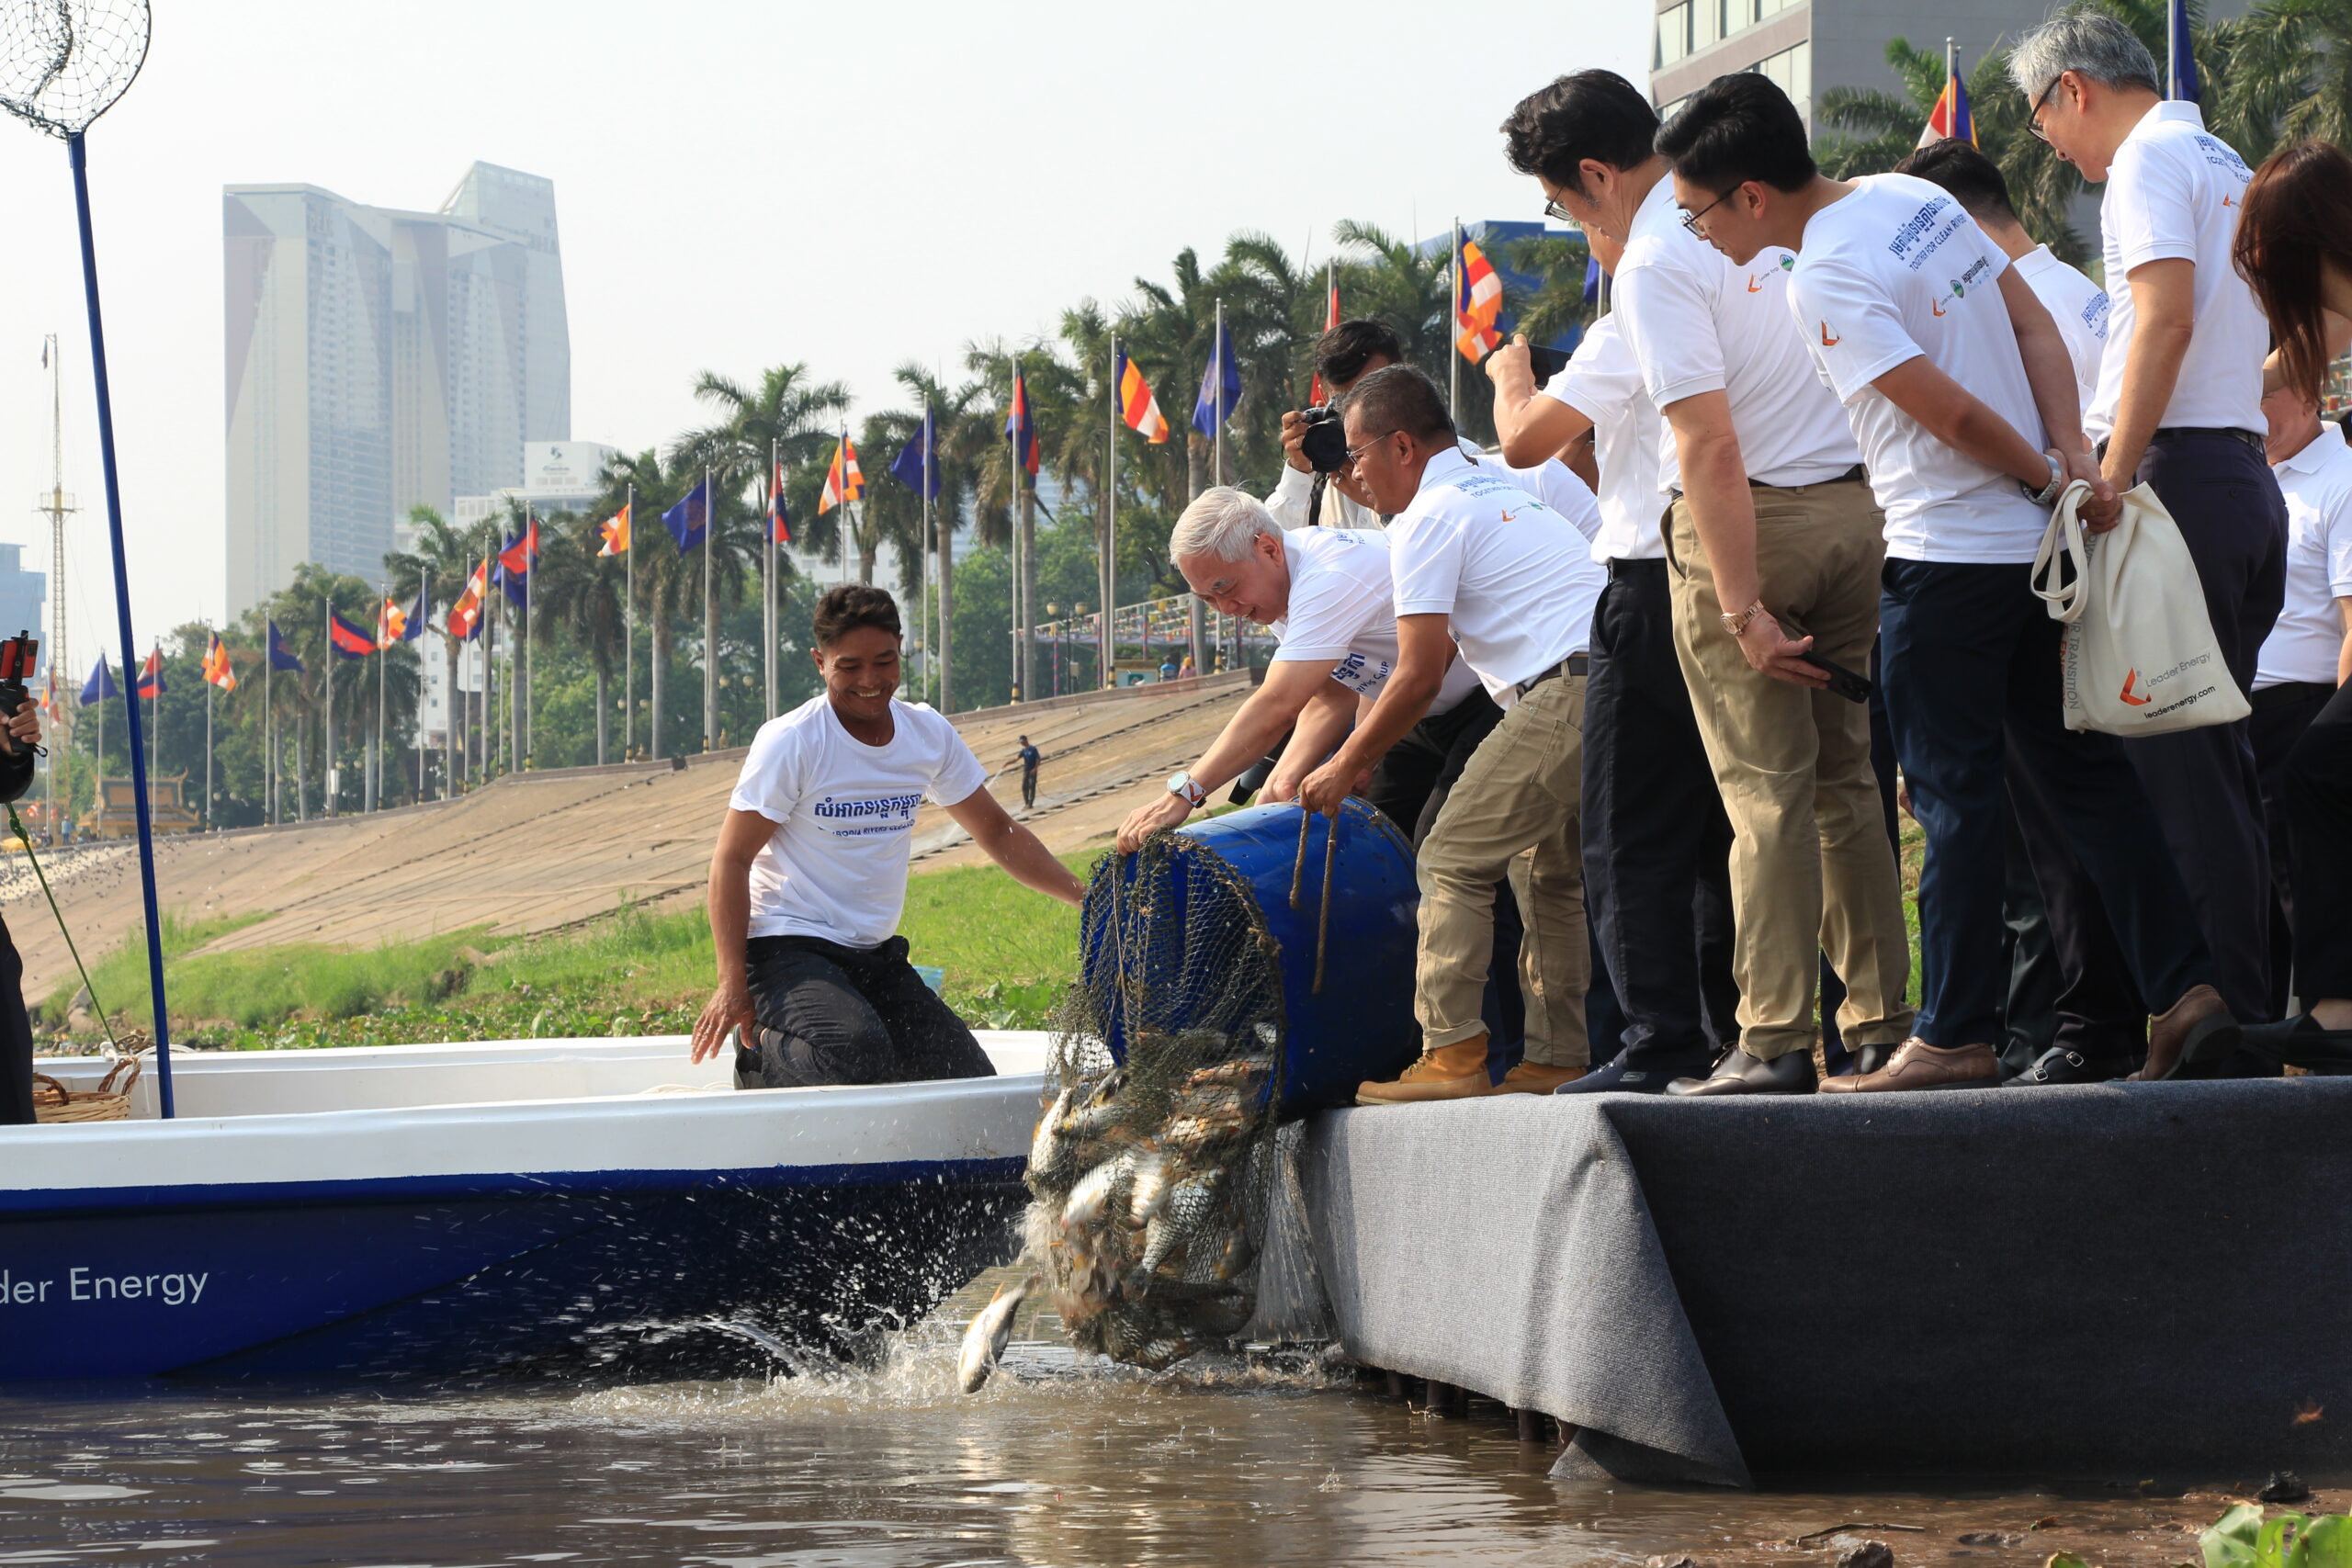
2301,1042
1617,1077
2060,1065
1740,1073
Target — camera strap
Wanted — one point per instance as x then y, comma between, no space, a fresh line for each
1314,499
16,823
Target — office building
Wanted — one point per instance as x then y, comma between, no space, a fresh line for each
378,359
23,595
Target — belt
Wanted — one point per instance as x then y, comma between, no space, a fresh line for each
2245,436
1854,476
2287,694
1574,664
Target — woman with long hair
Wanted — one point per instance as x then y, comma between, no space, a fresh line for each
2294,248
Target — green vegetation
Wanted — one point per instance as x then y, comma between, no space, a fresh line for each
1008,953
2242,1539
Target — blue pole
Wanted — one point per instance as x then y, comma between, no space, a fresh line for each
80,159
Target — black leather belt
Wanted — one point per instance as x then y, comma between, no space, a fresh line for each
1574,664
2245,436
1854,476
2287,694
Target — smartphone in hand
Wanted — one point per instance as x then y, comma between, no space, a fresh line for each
1843,682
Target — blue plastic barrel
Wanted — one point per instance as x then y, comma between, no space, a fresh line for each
1360,1026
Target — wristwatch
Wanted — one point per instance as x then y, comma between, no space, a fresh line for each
1738,624
2049,494
1182,785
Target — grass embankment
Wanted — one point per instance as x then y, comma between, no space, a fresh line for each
1008,953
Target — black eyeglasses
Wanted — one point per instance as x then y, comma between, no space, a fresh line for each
1554,211
2033,114
1691,220
1365,445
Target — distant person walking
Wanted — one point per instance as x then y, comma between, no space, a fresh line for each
1168,668
1028,757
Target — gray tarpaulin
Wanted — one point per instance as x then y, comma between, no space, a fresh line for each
2141,1277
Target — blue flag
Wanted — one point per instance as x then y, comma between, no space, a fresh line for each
921,457
2180,72
422,613
1220,387
688,522
1591,278
280,656
100,684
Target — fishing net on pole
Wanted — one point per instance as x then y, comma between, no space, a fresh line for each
1151,1174
64,62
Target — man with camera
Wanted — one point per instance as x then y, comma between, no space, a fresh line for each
18,737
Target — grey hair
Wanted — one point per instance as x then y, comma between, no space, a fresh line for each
2092,44
1222,522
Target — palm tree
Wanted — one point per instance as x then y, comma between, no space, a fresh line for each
951,413
442,560
2284,75
1557,305
664,580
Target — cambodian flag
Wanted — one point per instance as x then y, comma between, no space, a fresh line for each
150,676
350,641
1021,427
779,516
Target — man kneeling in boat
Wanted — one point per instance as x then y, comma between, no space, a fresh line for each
811,872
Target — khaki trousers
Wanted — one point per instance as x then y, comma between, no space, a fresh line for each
1811,869
1513,812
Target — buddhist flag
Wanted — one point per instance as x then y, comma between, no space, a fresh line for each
216,665
465,616
614,530
779,514
350,641
150,676
391,622
1477,305
1020,425
1330,319
845,481
1950,118
280,656
1137,405
100,685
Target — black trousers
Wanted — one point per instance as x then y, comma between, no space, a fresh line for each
2318,794
1028,786
2029,1012
2204,782
833,1014
16,1037
1657,843
2281,713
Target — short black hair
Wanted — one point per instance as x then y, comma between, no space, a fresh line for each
1341,353
1401,397
849,605
1737,129
1974,180
1585,114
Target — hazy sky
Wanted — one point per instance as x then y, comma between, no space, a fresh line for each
737,185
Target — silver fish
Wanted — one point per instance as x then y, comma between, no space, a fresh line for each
1238,1256
991,1330
1149,1189
1091,1196
1046,1147
1240,1070
1191,1206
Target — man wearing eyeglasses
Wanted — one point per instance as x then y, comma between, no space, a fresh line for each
1773,545
1481,566
2179,408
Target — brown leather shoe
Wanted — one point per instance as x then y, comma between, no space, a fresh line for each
1917,1064
1536,1077
2195,1030
1450,1071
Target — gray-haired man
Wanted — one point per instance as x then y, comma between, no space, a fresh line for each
2179,407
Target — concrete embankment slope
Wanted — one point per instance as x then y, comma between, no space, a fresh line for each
539,852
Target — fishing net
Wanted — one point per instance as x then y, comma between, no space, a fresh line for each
1152,1169
64,62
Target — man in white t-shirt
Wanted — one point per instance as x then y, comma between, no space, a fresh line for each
2309,653
1773,548
1490,573
1327,594
2178,407
1657,843
1959,391
2078,305
811,872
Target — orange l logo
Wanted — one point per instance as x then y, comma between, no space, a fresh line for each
2129,679
1754,287
2227,202
1826,341
1506,516
1936,306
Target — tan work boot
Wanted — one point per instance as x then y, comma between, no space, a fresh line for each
1917,1064
1450,1071
1536,1077
2193,1034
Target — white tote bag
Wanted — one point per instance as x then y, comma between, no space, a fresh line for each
2140,656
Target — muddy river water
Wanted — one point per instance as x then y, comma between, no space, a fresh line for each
1224,1462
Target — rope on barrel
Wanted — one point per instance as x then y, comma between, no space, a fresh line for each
1298,865
1323,921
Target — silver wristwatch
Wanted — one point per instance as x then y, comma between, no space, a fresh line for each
2047,495
1182,785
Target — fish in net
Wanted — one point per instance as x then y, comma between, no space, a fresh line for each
1154,1158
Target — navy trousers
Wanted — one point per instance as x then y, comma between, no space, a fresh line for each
2280,716
1657,843
1970,660
2319,823
2204,782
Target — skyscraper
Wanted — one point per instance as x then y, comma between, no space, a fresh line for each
379,358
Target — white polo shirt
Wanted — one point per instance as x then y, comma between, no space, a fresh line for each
1517,587
1696,324
1295,489
1342,612
1603,382
1551,481
2173,192
2317,483
1896,270
2078,305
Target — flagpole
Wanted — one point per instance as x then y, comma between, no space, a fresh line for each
628,628
767,581
269,709
1216,399
1107,675
930,649
530,579
1452,323
377,792
326,737
207,743
709,617
425,608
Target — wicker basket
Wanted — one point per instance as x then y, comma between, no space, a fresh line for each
52,1101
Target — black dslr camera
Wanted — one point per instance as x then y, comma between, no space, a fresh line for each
18,656
1323,445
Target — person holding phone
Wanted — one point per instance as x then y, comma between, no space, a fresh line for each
1963,397
18,736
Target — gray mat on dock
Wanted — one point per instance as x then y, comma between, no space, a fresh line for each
2133,1279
